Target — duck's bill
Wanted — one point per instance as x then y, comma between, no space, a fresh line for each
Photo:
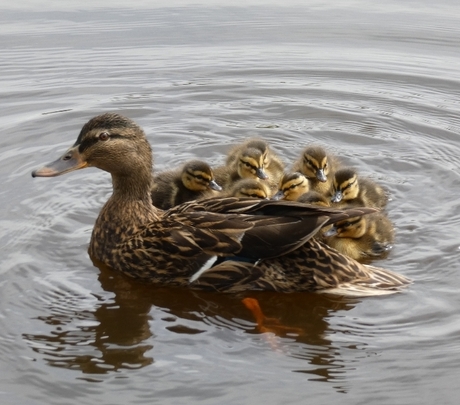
321,176
214,186
332,231
70,161
279,195
261,174
337,197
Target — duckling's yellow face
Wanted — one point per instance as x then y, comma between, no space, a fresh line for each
198,180
292,187
353,228
345,188
251,164
315,164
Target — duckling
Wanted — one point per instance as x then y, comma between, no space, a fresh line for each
268,245
292,186
361,238
314,198
318,166
193,181
348,188
253,159
249,188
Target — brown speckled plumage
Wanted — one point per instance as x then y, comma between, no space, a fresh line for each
269,242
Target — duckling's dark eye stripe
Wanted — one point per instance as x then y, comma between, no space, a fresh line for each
311,163
200,177
351,222
248,164
348,185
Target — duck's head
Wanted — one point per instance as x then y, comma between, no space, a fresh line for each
109,142
197,176
249,188
345,185
292,186
252,160
315,163
353,228
314,198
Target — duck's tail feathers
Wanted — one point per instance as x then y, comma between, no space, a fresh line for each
379,282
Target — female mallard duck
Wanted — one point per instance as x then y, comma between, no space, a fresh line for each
318,166
292,186
272,240
253,159
361,238
348,188
193,181
249,188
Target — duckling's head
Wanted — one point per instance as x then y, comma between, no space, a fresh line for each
314,198
353,228
109,142
345,185
292,186
249,188
197,176
315,163
251,163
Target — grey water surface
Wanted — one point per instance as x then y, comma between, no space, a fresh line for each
377,84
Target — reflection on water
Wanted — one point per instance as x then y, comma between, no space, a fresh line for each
120,332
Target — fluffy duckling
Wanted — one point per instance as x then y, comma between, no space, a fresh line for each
292,186
314,198
193,181
349,188
367,237
249,188
318,166
253,159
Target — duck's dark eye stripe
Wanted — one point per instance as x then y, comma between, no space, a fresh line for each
87,143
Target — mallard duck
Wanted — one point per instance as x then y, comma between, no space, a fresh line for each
253,159
365,237
318,166
349,188
292,186
193,181
250,188
267,244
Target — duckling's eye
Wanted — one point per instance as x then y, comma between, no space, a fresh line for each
104,136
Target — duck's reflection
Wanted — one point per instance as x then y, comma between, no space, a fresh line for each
120,332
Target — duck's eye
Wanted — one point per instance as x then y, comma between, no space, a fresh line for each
104,136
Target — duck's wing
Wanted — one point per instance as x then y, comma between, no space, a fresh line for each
279,227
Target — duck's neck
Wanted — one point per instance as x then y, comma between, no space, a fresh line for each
129,208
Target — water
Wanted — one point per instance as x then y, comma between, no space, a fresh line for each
377,84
